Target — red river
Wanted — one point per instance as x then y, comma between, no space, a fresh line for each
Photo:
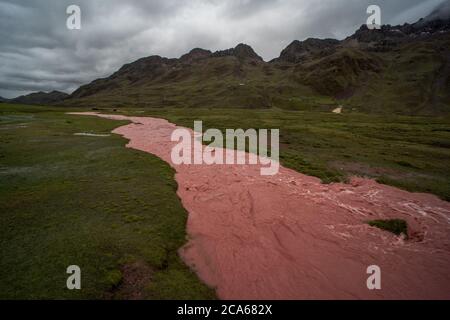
289,236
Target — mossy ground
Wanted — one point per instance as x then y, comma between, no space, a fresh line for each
86,201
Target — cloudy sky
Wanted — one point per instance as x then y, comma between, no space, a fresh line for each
38,52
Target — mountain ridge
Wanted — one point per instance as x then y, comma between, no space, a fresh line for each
41,97
402,69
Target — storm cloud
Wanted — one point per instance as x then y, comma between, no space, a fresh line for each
38,52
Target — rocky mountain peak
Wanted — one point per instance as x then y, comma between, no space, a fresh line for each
41,97
298,51
241,51
195,54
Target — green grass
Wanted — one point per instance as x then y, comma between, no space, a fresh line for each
396,226
87,201
409,152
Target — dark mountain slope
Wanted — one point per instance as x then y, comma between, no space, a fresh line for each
344,70
41,98
299,51
402,69
415,80
236,77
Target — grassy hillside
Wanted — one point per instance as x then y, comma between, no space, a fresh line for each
415,80
218,82
88,201
410,76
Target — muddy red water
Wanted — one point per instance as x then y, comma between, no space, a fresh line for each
290,237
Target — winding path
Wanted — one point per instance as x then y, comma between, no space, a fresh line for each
290,237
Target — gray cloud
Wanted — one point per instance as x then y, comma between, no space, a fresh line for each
38,52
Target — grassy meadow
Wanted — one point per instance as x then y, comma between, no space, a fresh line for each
87,200
409,152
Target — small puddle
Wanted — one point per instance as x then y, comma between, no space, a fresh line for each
87,134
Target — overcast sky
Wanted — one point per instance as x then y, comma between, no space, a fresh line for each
38,52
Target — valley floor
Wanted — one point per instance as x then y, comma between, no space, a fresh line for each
289,236
68,199
71,194
411,153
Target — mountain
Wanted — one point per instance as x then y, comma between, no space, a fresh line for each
397,69
441,12
195,55
235,77
41,98
3,100
242,52
414,77
299,51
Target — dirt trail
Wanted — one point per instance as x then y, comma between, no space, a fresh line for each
290,237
